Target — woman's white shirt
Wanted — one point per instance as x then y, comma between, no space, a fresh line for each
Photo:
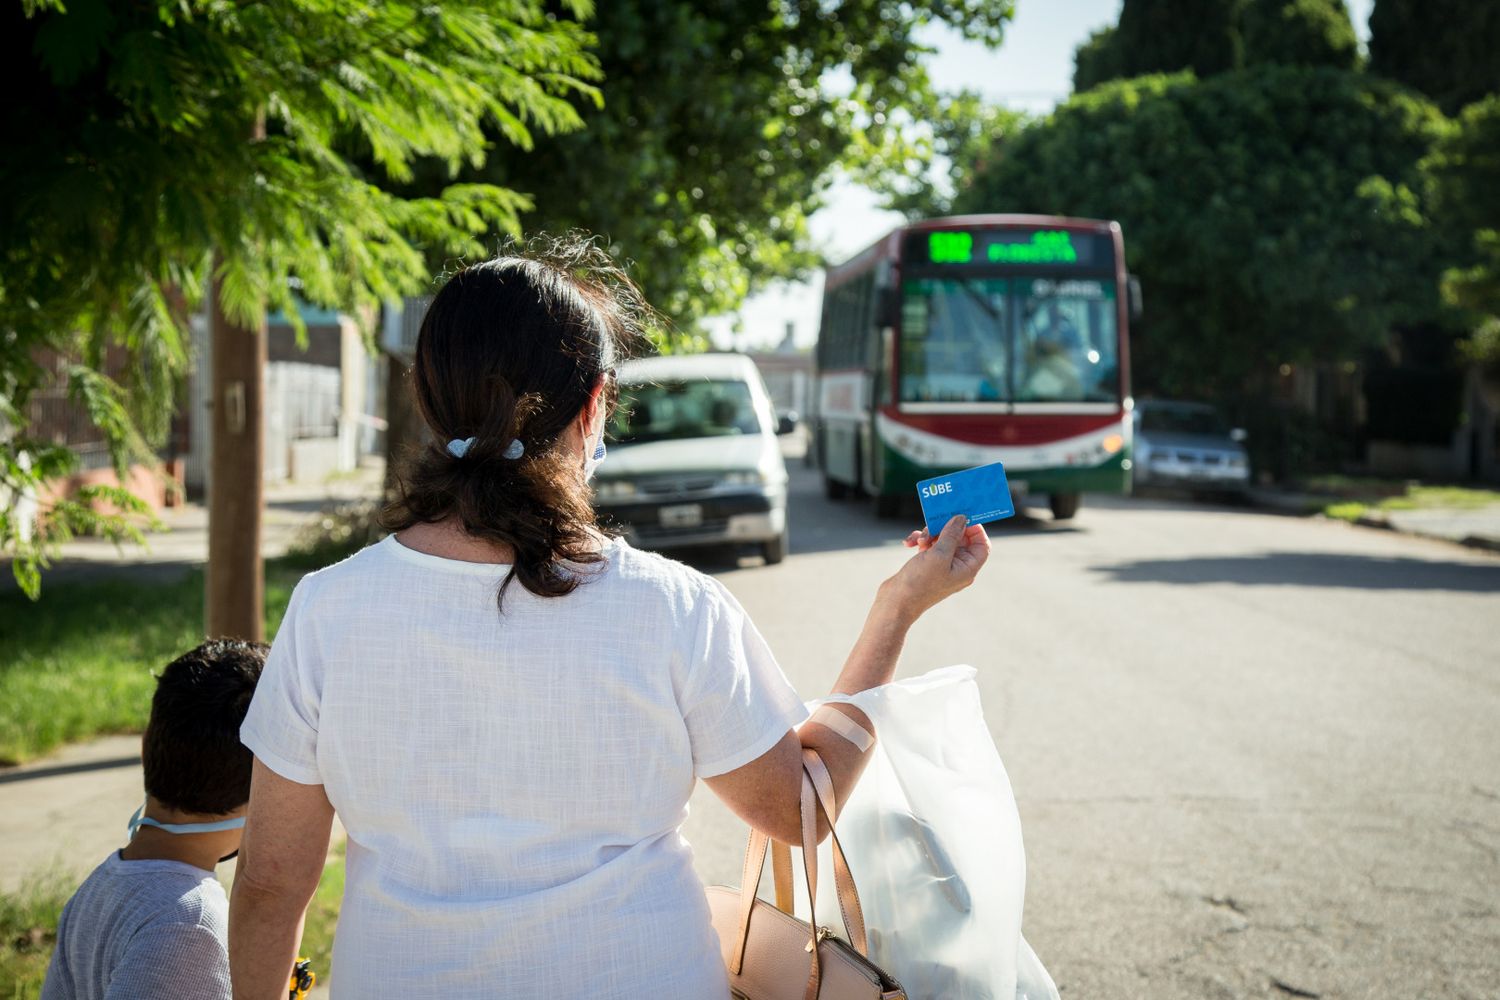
513,783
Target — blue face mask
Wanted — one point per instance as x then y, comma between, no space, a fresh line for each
140,819
592,459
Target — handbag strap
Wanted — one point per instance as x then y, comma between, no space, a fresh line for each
817,792
848,895
843,877
755,862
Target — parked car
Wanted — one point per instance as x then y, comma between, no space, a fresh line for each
693,456
1188,445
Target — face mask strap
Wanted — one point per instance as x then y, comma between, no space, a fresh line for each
140,819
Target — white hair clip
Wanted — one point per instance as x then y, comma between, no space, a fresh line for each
514,450
459,447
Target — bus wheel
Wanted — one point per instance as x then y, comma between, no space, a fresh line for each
833,489
1064,505
887,505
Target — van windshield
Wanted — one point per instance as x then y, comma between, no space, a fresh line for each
670,411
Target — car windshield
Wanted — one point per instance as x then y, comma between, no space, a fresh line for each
671,411
1182,420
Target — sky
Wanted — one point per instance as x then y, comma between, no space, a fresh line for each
1031,71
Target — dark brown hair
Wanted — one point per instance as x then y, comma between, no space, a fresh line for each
192,755
512,349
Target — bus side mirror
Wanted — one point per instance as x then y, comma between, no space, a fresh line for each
887,307
1133,285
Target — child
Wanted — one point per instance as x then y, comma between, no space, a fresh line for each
152,921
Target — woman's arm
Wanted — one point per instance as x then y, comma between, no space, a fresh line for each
281,860
765,792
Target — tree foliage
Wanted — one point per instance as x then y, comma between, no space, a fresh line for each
1274,215
1167,36
723,123
1098,59
1465,173
131,164
965,131
1444,48
1164,36
1299,33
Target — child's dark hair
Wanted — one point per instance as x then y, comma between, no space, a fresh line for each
192,753
512,349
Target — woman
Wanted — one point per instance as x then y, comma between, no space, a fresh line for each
513,763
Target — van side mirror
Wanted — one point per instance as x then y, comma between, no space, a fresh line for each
1238,435
786,423
1137,304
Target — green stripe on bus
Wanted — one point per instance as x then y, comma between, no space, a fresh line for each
901,475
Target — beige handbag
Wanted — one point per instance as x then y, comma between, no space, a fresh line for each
772,955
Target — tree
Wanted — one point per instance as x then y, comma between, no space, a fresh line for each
1464,169
966,133
720,130
1161,36
131,164
1164,36
1443,48
1274,215
1098,59
1299,33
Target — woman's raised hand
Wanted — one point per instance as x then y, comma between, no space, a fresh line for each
943,565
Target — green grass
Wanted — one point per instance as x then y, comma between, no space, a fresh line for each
323,915
1426,497
28,927
1351,511
28,932
1357,503
81,661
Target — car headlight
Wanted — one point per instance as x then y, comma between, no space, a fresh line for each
1237,461
614,489
744,477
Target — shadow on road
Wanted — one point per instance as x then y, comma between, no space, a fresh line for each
1280,569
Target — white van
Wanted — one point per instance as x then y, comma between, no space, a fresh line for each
693,456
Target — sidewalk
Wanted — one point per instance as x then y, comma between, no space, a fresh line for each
1475,528
182,545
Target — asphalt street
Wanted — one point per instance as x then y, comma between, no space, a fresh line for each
1255,756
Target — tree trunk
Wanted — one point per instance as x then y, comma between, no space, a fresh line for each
234,604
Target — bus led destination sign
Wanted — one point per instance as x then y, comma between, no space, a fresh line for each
1012,246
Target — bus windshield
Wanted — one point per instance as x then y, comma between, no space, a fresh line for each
973,340
664,411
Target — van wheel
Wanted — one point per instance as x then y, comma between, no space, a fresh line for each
774,550
887,505
1064,505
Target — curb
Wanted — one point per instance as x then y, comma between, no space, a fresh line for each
1306,505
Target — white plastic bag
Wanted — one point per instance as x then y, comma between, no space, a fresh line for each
934,841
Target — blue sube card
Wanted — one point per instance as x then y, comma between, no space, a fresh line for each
982,495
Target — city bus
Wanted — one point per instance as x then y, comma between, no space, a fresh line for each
961,341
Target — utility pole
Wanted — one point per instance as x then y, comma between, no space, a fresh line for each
235,590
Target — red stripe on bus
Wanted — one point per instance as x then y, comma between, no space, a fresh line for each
1004,429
